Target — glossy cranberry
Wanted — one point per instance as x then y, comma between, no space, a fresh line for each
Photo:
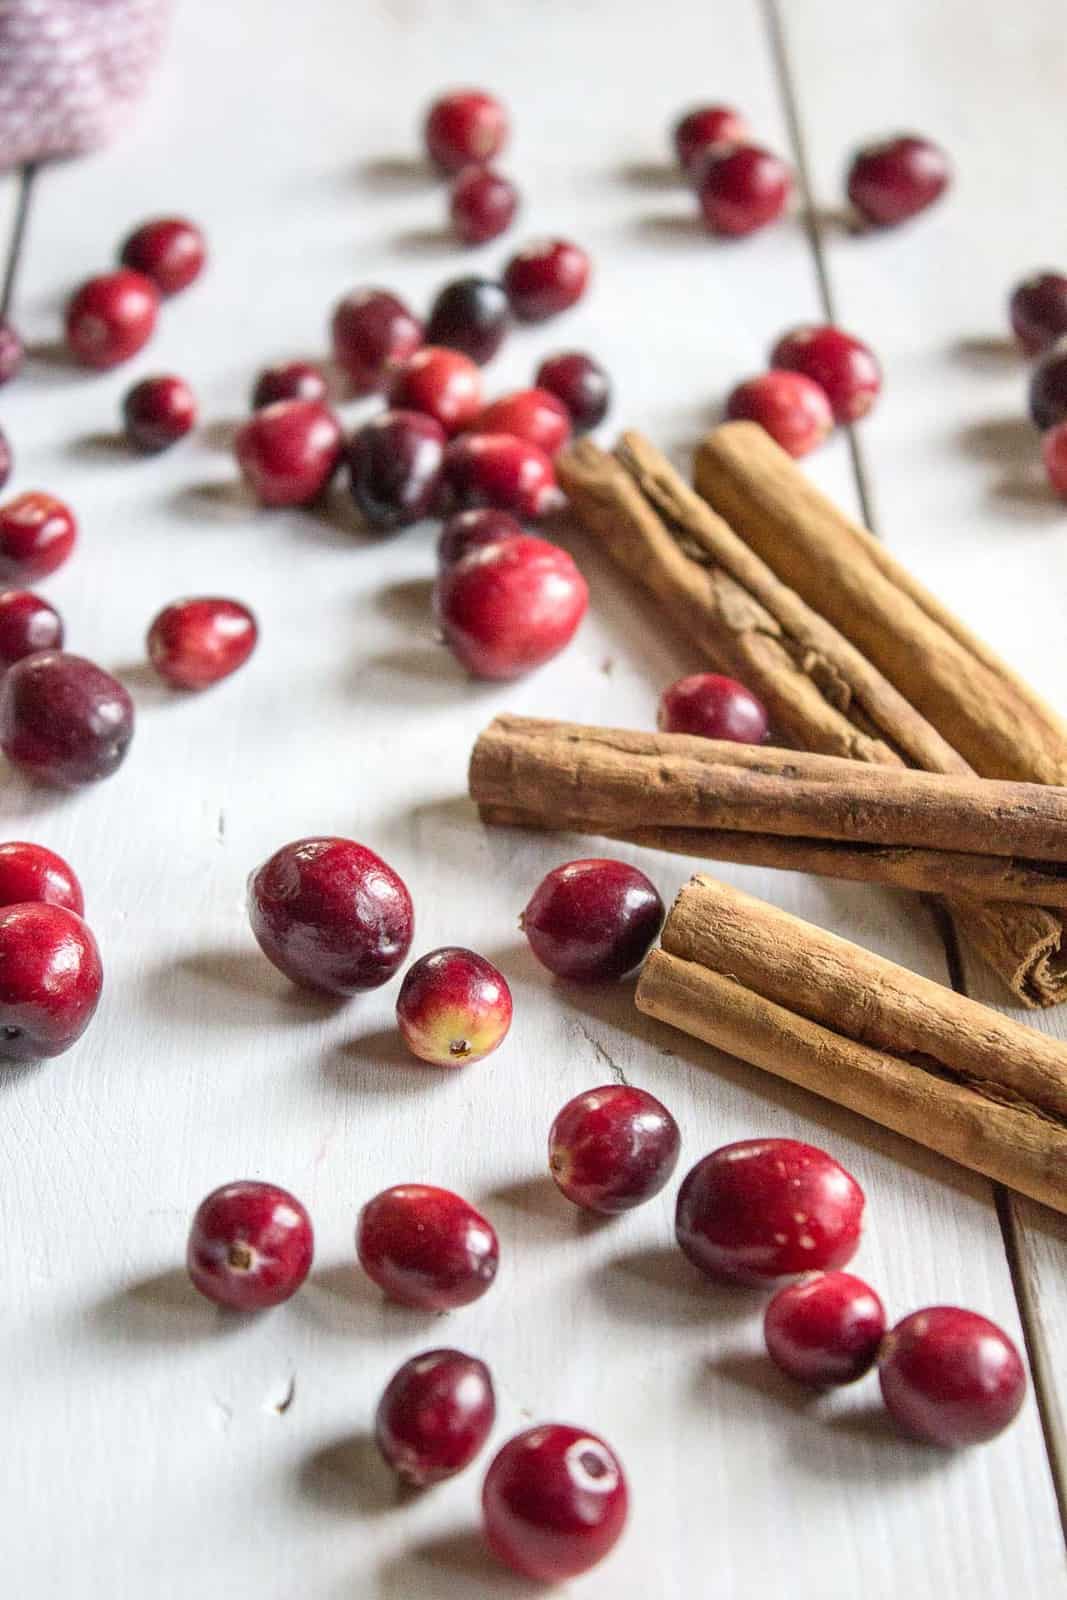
471,530
37,534
426,1247
331,915
169,250
482,204
12,352
111,317
471,315
592,921
7,459
435,1415
764,1209
713,707
288,452
530,414
895,179
465,127
157,412
742,188
443,383
510,607
372,331
289,380
1048,387
845,368
613,1148
30,872
1038,311
250,1246
63,719
1054,454
503,472
395,463
195,643
951,1377
50,980
547,277
581,384
27,623
706,126
554,1502
454,1006
791,408
825,1329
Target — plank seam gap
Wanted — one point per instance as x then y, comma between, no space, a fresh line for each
18,236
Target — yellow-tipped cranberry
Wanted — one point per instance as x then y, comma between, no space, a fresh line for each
453,1007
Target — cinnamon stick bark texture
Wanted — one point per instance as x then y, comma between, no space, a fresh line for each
859,1030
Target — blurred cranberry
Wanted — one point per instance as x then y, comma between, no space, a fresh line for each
30,872
1038,311
1048,387
696,132
582,385
444,384
470,530
195,643
743,187
372,331
464,127
713,707
791,408
897,178
12,352
6,459
395,462
531,414
37,534
288,452
170,251
471,315
289,380
509,607
27,623
843,366
111,317
63,719
545,278
157,412
1054,453
482,204
496,469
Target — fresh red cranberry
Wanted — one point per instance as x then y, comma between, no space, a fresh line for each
554,1502
742,188
250,1246
470,530
547,277
395,463
482,204
111,317
531,414
37,534
50,980
581,384
426,1247
845,368
12,352
510,607
27,623
289,380
503,472
790,407
613,1148
705,126
435,1415
331,915
825,1329
1048,387
713,707
195,643
453,1007
372,331
895,179
951,1377
592,921
443,383
471,315
30,872
288,452
764,1209
465,127
1054,454
63,719
7,459
169,250
157,412
1038,311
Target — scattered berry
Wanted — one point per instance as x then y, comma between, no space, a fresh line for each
787,405
824,1329
30,872
482,204
27,623
289,380
250,1246
426,1247
37,534
435,1415
510,607
503,472
464,127
895,179
613,1148
1038,311
443,383
713,707
471,315
702,128
12,352
845,368
742,188
1054,453
951,1377
395,463
63,719
195,643
170,251
554,1502
530,414
582,385
111,317
545,278
157,412
453,1007
592,921
288,452
1048,387
372,331
470,530
50,980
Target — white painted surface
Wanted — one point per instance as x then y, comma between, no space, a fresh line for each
145,1451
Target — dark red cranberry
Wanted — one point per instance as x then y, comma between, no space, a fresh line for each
443,383
951,1377
372,331
825,1329
613,1148
1048,387
531,414
464,127
454,1006
30,872
195,643
12,352
705,126
554,1502
592,921
27,623
547,277
743,187
157,412
713,707
169,250
250,1246
37,534
111,317
470,530
791,408
50,980
482,204
435,1415
331,915
395,462
764,1209
510,607
288,452
895,179
471,315
845,368
582,385
1038,311
1054,454
289,380
426,1247
501,471
63,719
7,460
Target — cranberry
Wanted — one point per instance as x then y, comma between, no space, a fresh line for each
395,462
64,719
426,1247
580,383
789,406
470,530
441,382
288,452
554,1502
1054,453
825,1329
30,872
27,623
951,1377
331,915
453,1007
547,277
7,460
371,332
613,1148
1048,387
1038,311
37,534
507,608
289,380
111,317
250,1246
169,250
501,471
895,179
592,921
743,187
50,979
12,352
713,707
763,1209
195,643
464,127
482,204
471,315
435,1415
845,368
157,412
705,126
531,414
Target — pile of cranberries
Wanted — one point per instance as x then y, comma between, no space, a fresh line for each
819,375
112,316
